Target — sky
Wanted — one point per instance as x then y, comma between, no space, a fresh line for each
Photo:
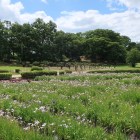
122,16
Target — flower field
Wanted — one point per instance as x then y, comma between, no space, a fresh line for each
71,107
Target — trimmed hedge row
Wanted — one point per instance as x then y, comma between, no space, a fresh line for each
36,68
68,71
115,71
32,75
5,76
65,72
61,72
4,71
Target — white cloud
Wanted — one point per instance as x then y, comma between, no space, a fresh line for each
10,11
135,4
126,23
13,12
44,1
27,17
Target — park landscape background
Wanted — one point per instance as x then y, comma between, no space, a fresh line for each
68,86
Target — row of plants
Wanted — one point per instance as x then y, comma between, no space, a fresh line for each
99,106
115,71
35,71
10,130
67,64
5,75
33,74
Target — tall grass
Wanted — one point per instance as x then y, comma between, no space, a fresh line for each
92,106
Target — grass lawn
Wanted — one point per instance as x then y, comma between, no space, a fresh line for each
127,67
12,68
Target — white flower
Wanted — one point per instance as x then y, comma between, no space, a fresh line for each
36,122
26,128
44,124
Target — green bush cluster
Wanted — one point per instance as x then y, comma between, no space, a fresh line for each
32,75
65,72
36,68
68,71
61,72
4,71
17,70
5,76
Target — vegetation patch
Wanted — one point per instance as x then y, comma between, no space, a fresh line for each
68,71
115,71
5,76
4,71
36,68
73,107
32,75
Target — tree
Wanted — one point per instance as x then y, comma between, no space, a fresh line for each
44,38
108,34
116,53
133,57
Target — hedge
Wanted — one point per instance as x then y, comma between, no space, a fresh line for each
115,71
32,75
5,76
36,68
68,71
4,71
61,72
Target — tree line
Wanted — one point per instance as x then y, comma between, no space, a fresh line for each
42,41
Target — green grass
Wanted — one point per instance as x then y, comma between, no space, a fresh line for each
10,130
12,68
86,107
127,67
26,69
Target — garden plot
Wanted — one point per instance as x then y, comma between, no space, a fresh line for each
86,107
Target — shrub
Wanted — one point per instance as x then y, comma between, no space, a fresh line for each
68,71
61,72
5,76
27,64
36,68
43,78
36,63
17,70
133,57
4,71
32,75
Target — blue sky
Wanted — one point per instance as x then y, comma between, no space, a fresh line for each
55,7
122,16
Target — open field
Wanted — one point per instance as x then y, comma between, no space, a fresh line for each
72,107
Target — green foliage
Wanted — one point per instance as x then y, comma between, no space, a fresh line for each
10,130
70,107
61,72
17,70
133,57
36,68
32,75
4,71
115,71
40,41
68,71
5,76
36,63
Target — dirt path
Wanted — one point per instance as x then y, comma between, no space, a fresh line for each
16,76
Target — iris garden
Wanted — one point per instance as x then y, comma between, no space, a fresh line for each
72,107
